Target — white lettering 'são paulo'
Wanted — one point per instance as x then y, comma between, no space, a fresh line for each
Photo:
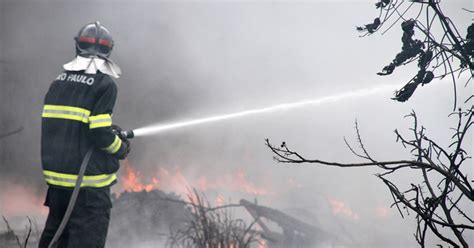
75,78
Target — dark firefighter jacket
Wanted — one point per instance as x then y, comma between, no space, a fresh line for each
77,115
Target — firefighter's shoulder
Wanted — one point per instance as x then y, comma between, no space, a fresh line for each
105,81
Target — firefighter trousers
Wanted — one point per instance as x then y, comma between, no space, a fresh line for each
89,221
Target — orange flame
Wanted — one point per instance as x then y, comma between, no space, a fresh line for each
174,180
382,212
341,208
220,200
130,182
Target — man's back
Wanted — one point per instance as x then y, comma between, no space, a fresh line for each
76,117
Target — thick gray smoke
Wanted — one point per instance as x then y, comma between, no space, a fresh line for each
184,60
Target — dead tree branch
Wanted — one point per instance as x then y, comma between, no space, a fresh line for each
432,53
435,209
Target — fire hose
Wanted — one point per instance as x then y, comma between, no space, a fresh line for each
72,202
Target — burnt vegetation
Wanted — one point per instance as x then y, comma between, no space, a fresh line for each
10,238
443,198
213,227
217,227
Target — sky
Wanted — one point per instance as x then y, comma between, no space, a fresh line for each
191,59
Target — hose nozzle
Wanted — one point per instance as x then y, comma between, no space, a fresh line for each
126,134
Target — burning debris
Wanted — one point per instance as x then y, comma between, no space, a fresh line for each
145,216
173,179
154,217
296,233
341,208
140,217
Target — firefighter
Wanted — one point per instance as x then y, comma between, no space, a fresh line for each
77,117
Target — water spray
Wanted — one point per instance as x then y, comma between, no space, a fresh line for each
159,128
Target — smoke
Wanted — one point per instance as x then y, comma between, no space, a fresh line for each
185,60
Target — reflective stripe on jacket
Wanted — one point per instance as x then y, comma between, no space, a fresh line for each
69,180
77,115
